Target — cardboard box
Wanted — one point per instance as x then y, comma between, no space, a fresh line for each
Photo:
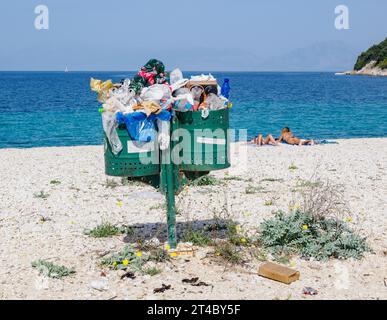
203,84
278,273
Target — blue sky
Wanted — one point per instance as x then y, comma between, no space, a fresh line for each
244,35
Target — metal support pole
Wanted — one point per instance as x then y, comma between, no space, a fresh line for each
168,168
171,213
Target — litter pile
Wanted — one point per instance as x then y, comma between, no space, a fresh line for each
145,104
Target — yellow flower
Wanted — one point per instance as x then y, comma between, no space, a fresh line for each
125,262
243,240
119,203
138,254
173,254
217,253
237,228
349,219
297,206
167,247
114,263
305,227
292,264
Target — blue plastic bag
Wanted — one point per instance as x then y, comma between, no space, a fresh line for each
139,126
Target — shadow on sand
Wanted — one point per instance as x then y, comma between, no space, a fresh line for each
216,228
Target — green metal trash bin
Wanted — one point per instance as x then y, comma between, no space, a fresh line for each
209,140
136,159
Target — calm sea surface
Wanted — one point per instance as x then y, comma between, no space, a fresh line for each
58,109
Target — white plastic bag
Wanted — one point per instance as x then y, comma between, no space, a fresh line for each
163,136
214,102
203,77
109,126
179,84
113,104
124,94
182,97
175,76
156,93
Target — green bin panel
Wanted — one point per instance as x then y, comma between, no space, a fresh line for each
128,162
210,148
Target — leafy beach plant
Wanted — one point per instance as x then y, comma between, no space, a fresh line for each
41,195
272,180
315,228
206,181
250,189
131,258
51,270
199,238
233,178
152,271
309,236
107,229
229,252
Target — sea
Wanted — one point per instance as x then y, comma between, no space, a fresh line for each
40,109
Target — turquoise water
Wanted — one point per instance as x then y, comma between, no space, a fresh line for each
58,109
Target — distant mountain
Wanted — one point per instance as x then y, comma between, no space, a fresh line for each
319,56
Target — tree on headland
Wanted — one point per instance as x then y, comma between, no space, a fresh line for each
377,53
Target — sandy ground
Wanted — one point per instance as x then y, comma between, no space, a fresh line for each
80,199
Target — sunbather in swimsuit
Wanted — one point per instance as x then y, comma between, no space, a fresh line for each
288,137
261,140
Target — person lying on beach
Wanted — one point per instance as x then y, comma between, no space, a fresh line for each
288,137
261,140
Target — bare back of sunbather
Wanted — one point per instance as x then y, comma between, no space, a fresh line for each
288,136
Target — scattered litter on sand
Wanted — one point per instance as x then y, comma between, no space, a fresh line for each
162,289
309,291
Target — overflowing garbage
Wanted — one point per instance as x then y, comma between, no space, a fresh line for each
146,103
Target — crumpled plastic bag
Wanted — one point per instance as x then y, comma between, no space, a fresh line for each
109,126
148,107
163,136
214,102
124,94
153,72
156,92
179,84
112,104
159,93
197,92
136,122
103,88
175,76
182,98
186,97
139,126
203,77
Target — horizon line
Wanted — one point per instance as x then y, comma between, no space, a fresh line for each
235,71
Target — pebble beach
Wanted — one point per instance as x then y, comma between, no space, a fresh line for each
49,196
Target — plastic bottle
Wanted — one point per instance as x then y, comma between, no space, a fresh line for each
226,88
175,76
